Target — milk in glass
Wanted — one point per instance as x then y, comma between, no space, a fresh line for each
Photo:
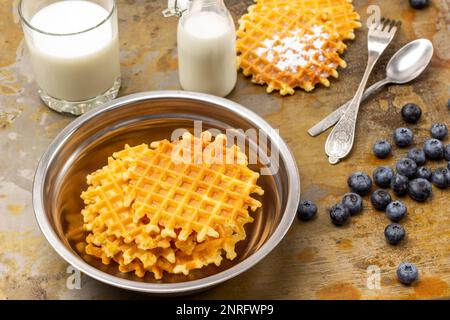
75,54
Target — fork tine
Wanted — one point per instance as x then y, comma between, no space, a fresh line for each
390,25
387,25
395,26
382,24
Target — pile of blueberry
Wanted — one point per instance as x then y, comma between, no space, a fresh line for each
410,177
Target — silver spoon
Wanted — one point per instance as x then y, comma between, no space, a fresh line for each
405,65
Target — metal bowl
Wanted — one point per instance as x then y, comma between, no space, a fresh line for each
85,144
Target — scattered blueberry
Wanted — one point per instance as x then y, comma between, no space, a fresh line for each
434,149
441,178
382,176
419,4
418,156
353,202
339,214
420,189
394,233
448,165
407,273
411,112
380,199
399,185
447,152
403,137
407,167
360,183
306,210
448,104
439,131
382,149
396,211
424,172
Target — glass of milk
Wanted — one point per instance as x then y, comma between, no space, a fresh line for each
74,51
207,48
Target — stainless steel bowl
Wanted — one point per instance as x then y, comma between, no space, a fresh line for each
85,144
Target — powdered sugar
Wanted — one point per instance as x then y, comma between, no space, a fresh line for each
299,48
318,43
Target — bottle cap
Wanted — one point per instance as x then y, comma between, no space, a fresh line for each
176,8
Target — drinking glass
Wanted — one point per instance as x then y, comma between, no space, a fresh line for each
74,51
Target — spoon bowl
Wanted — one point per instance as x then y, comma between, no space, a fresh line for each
410,61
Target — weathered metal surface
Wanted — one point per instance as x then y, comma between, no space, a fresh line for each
316,259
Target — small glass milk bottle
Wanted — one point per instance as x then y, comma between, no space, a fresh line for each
207,48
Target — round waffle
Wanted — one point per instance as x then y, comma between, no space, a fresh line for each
290,44
150,209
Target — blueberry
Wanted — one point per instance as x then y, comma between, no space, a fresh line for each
407,167
360,183
382,176
448,104
403,137
399,185
447,152
434,149
382,149
448,165
441,178
339,214
407,273
380,199
424,172
306,210
418,156
439,131
394,233
419,4
353,202
411,112
396,211
420,189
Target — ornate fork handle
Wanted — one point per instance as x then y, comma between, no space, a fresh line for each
340,141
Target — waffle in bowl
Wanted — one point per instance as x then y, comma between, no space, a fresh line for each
297,43
155,210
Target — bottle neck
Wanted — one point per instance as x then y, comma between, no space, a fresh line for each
207,4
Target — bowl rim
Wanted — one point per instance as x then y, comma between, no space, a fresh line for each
165,288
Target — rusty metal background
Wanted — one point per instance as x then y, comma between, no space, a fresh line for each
316,259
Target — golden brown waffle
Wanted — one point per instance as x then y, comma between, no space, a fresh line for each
149,210
340,12
290,44
188,196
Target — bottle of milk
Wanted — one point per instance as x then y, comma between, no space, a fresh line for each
207,49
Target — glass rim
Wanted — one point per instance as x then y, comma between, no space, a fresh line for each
29,25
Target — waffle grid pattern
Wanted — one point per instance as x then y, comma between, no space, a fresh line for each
149,213
276,21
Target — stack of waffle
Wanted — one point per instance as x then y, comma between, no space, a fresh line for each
294,43
174,207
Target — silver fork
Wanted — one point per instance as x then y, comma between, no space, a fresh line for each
340,141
